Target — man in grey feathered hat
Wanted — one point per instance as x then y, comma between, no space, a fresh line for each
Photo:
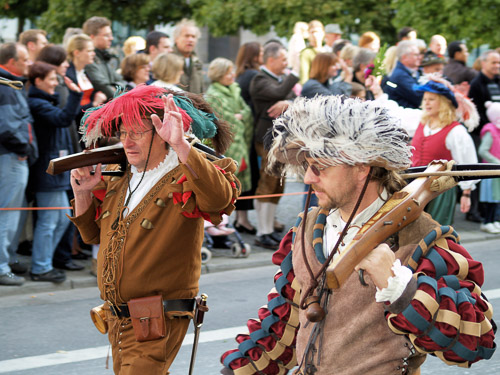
423,288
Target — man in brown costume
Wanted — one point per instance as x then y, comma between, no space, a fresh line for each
423,293
149,222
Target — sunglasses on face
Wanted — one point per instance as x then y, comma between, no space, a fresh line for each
133,136
316,169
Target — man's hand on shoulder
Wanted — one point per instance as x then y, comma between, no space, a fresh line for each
82,181
378,264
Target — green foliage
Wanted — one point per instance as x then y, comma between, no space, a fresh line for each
225,17
474,21
23,9
62,14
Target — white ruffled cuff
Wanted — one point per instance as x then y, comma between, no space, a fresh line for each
396,284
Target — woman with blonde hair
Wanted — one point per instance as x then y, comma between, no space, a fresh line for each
167,70
440,136
81,53
133,44
225,98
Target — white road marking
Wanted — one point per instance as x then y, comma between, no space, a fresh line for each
27,363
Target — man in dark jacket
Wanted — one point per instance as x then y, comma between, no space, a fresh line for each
268,88
17,147
102,73
399,87
457,69
486,85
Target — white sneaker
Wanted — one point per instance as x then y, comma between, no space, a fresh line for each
497,224
489,228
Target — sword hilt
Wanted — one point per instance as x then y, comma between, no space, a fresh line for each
201,308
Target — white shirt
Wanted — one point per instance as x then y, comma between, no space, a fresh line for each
334,227
166,85
462,149
150,179
83,81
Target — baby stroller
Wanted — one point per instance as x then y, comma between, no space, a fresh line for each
218,237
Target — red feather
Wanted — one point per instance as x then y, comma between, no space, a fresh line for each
130,109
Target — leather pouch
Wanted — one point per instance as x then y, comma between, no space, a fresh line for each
148,318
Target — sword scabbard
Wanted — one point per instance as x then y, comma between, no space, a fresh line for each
201,308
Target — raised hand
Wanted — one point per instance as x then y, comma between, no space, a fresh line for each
71,85
170,129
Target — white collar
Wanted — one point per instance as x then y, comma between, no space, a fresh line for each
151,177
335,224
269,72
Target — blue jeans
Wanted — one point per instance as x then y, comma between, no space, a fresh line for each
49,228
13,181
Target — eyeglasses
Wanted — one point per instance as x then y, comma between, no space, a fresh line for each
133,136
316,169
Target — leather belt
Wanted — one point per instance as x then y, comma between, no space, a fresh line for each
121,311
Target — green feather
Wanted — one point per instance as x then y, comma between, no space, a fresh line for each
203,124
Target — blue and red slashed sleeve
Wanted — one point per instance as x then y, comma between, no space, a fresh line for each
448,315
269,345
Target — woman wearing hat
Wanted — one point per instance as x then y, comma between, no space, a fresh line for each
440,136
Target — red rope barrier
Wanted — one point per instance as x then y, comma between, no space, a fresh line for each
70,208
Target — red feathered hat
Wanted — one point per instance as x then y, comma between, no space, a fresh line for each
129,109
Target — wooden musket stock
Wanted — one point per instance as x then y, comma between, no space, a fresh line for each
106,155
401,209
109,155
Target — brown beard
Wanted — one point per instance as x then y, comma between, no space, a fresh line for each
330,204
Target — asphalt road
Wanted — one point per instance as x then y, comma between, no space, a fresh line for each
51,333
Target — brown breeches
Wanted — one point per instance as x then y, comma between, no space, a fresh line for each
151,357
267,184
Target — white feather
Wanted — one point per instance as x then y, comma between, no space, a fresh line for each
338,131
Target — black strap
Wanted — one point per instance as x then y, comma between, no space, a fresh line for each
121,311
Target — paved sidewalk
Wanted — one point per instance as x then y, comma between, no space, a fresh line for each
222,259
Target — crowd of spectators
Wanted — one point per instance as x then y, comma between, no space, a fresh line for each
423,85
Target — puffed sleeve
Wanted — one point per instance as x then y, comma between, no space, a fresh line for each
207,189
447,316
269,345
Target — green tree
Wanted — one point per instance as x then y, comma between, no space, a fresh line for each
225,17
474,21
62,14
23,10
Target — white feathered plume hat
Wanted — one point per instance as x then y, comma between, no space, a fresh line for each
335,130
